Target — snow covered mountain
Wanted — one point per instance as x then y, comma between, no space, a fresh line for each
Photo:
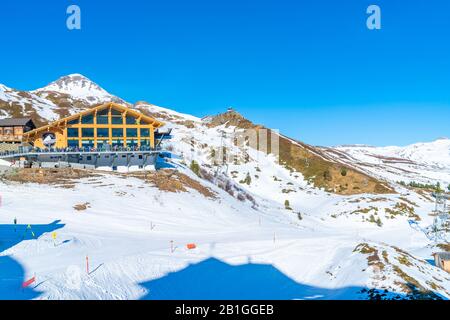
67,95
332,222
78,87
426,163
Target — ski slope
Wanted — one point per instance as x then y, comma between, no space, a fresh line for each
127,233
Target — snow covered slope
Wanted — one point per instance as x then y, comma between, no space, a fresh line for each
15,103
426,163
135,235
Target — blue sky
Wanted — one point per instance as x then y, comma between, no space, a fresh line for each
310,68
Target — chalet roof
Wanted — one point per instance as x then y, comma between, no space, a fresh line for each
153,121
11,122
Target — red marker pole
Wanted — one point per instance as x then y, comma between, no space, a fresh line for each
29,282
87,265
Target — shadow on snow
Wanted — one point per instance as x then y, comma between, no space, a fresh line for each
213,279
12,274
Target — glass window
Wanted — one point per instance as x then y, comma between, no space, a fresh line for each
102,144
117,142
75,121
117,120
103,113
88,119
132,142
73,143
131,120
72,132
116,112
87,132
117,132
102,120
145,142
87,143
103,132
132,133
145,132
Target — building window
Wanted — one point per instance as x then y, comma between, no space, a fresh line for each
117,120
131,120
74,121
145,133
88,143
117,133
115,112
87,132
102,133
117,143
102,144
132,133
89,119
73,143
102,119
103,116
132,143
72,132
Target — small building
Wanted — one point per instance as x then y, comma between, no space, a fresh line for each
12,130
442,260
109,125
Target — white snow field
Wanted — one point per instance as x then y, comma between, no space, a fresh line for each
242,253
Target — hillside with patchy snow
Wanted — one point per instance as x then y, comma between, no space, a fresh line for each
426,163
306,223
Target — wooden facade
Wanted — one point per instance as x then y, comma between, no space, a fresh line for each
13,130
109,124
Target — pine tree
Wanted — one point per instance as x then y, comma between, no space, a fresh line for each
287,205
247,180
195,167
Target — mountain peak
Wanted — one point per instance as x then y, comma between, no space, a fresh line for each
79,87
230,118
78,82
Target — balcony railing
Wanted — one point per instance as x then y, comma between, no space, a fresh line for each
23,151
